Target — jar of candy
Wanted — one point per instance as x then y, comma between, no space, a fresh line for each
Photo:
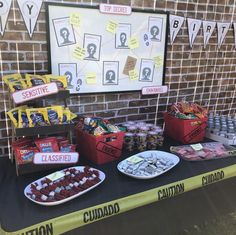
152,140
143,129
150,126
132,129
141,141
129,142
160,137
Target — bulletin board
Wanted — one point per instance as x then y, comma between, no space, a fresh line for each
106,52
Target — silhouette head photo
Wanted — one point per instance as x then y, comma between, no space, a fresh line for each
64,32
91,49
69,77
123,39
146,73
110,77
154,31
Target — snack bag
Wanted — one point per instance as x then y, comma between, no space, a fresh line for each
37,117
66,116
23,120
13,114
61,81
14,82
25,155
55,114
11,78
17,86
72,115
47,145
66,148
35,80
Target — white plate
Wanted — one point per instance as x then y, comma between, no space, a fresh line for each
80,168
165,156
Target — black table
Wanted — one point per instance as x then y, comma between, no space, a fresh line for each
116,195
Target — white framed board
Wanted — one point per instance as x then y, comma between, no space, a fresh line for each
106,52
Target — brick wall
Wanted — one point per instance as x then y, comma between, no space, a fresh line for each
206,76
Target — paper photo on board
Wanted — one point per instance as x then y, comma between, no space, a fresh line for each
155,25
110,72
92,46
64,32
146,70
70,70
123,34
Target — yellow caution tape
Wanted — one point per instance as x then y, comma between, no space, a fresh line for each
89,215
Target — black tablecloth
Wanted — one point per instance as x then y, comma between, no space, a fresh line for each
17,212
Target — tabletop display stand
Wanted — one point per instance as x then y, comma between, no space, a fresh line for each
39,131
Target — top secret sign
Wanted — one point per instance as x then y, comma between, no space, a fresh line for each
34,92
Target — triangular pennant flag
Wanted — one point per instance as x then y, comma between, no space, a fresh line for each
235,34
30,10
5,6
193,28
176,23
222,29
208,28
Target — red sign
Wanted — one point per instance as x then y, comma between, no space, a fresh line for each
115,9
151,90
56,158
34,92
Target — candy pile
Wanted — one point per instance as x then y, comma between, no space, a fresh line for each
15,82
24,116
73,182
186,110
25,148
145,166
141,136
205,151
97,126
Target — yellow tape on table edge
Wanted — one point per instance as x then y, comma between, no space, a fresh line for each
89,215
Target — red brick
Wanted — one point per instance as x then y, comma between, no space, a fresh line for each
117,105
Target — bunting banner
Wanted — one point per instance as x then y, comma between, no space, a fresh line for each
208,28
30,10
193,28
176,23
222,29
5,6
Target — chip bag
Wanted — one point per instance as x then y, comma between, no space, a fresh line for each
23,119
37,117
25,155
61,81
14,82
47,145
35,80
66,118
13,114
55,114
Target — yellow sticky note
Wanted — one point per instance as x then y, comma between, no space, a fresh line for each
158,60
196,147
134,159
133,43
75,19
91,78
133,75
55,176
79,53
112,26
